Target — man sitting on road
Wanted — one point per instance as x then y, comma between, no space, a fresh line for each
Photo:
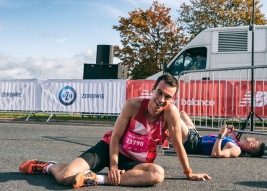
131,148
220,146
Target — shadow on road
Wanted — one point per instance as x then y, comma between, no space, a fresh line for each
46,181
254,184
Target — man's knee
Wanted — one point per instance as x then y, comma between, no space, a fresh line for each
66,175
157,173
65,178
183,114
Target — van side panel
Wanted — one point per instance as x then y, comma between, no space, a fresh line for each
228,47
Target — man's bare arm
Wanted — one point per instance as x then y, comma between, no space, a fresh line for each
229,150
172,118
128,111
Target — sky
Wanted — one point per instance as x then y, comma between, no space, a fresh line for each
52,39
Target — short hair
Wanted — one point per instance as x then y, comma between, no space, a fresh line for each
258,152
168,79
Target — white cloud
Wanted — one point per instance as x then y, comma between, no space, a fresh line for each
62,40
90,53
107,8
116,12
44,68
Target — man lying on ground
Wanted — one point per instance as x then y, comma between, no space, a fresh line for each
131,148
220,146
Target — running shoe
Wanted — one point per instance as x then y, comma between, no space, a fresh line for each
87,178
34,166
165,144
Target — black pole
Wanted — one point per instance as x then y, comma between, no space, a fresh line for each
252,70
251,113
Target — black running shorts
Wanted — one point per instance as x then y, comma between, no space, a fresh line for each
97,158
193,143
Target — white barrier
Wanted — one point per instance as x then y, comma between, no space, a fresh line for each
89,96
20,95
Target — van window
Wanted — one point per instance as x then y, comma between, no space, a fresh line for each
190,59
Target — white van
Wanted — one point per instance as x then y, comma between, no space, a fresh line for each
220,48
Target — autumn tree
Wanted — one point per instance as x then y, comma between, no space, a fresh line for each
203,14
148,38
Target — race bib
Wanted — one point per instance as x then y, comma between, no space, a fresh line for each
135,142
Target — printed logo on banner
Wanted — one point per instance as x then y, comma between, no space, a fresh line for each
145,94
260,99
67,95
197,102
11,94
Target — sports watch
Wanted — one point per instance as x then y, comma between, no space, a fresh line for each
220,136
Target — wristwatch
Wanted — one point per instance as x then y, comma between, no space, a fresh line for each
220,136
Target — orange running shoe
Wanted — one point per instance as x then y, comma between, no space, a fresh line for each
34,166
88,178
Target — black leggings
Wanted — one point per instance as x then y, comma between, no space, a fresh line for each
97,158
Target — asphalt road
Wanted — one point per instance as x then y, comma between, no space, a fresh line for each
63,141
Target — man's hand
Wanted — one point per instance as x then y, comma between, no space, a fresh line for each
231,128
114,176
198,177
224,130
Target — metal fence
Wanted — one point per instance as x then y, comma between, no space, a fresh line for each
217,96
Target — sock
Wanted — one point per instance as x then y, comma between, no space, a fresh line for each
101,179
51,164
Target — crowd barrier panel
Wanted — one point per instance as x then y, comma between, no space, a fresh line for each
87,97
20,96
223,96
216,96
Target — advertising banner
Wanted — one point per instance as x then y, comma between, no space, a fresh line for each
20,95
243,98
139,88
207,98
92,96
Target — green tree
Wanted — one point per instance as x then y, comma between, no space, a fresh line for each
148,38
203,14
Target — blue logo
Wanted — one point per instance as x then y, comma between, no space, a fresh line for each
67,95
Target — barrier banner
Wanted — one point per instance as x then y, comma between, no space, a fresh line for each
140,88
243,98
207,98
20,95
92,96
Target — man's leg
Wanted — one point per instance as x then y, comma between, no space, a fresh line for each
144,174
186,121
191,137
97,157
65,174
186,124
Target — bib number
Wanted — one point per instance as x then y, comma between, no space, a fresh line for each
135,142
